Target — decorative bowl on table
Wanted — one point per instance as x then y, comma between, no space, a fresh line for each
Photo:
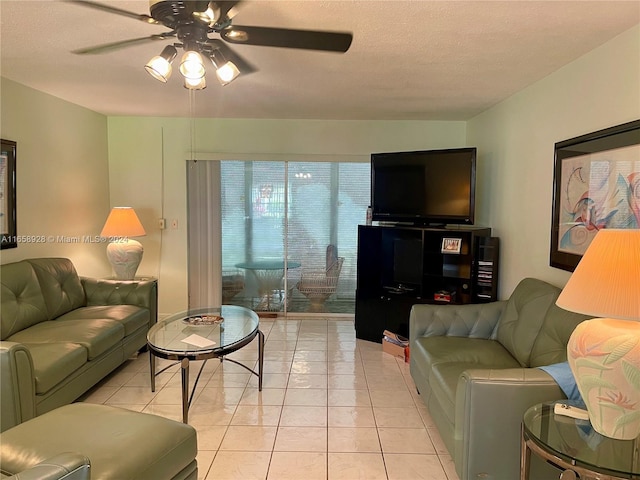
203,320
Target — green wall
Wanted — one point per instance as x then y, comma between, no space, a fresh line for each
62,177
516,141
148,161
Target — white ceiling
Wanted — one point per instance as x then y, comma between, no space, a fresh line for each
420,59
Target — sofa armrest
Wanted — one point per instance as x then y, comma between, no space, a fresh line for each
18,392
65,466
142,293
469,320
490,405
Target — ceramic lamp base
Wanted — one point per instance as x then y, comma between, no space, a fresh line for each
604,356
125,256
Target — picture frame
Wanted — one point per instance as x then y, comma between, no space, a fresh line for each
8,230
451,245
596,185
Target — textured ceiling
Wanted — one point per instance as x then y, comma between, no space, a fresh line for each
444,60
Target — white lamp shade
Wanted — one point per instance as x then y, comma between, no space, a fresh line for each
122,222
606,282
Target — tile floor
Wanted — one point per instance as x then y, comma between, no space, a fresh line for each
332,407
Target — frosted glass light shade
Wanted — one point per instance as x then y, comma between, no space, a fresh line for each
159,67
604,353
192,65
195,84
227,73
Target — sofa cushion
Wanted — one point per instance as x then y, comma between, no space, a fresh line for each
131,317
550,346
523,316
96,335
60,285
53,362
445,358
22,303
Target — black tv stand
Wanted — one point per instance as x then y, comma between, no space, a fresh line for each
400,289
399,266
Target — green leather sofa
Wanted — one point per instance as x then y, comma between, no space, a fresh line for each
475,368
61,334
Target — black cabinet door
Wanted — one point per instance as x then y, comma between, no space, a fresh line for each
384,312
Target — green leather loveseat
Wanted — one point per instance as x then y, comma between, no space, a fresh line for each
61,334
475,368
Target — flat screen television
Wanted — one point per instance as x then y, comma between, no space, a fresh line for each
431,187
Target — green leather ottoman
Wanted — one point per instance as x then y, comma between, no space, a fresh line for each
120,444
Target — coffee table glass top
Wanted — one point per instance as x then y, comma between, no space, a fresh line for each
188,332
576,442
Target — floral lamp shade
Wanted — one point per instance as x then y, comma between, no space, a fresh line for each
604,353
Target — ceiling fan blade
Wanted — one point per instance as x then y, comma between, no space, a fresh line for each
244,66
118,11
107,47
227,8
287,38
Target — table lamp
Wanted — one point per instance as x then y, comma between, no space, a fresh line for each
123,253
604,353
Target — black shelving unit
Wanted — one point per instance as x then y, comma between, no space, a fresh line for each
486,269
399,266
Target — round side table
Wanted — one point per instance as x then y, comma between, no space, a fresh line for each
575,448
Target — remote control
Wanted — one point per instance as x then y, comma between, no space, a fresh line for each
570,411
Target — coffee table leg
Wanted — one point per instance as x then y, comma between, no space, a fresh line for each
184,365
525,456
260,358
152,369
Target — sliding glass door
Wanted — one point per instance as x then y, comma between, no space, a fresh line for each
306,213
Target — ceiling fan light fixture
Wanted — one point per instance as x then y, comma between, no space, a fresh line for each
159,67
227,73
195,84
192,66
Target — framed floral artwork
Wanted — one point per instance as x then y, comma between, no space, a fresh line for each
596,186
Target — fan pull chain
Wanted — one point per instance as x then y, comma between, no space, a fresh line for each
192,125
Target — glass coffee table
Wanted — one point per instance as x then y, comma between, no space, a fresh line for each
575,448
201,334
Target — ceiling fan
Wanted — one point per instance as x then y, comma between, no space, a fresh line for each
191,22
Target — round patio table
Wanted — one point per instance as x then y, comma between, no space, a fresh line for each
268,275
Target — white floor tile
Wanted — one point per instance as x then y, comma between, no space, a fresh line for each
298,465
356,466
332,408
